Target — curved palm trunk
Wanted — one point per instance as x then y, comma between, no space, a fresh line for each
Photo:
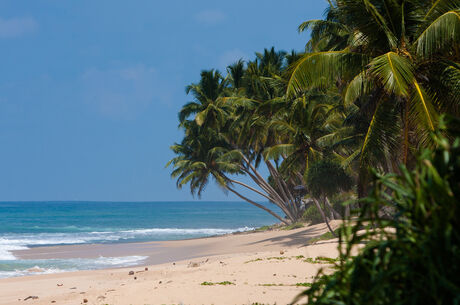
289,199
258,205
280,200
333,211
324,217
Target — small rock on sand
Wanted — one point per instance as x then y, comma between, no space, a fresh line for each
146,269
85,300
131,273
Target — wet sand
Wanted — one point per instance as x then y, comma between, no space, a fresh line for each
258,267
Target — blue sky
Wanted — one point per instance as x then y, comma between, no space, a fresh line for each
90,90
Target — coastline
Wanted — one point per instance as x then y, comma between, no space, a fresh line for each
183,265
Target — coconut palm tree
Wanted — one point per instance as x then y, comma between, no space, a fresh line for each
397,60
198,160
206,105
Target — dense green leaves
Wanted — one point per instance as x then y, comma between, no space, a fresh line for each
327,178
439,35
411,253
395,72
367,91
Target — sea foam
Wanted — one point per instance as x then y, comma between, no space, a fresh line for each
21,241
16,268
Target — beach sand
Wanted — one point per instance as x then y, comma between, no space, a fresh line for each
264,267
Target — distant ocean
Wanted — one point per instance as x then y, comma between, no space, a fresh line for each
32,224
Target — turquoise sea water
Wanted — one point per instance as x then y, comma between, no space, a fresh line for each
33,224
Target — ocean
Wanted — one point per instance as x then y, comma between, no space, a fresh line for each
33,224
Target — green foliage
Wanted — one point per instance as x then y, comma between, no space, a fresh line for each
321,260
372,84
254,260
224,283
279,258
263,228
312,215
326,178
303,284
325,236
296,225
393,64
413,257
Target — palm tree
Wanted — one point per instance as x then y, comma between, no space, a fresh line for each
207,94
198,160
395,60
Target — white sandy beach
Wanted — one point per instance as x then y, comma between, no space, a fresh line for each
264,267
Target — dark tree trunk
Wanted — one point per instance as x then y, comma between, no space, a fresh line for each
324,217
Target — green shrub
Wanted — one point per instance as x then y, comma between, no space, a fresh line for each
224,283
412,257
312,215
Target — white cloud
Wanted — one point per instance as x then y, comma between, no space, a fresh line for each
15,27
231,56
210,17
123,93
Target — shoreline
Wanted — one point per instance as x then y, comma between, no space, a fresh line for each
249,262
165,251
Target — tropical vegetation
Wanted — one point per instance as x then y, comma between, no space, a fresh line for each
305,127
362,125
412,257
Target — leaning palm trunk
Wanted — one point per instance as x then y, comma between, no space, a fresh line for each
281,195
258,205
324,217
334,213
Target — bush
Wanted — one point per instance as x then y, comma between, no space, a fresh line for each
312,215
413,257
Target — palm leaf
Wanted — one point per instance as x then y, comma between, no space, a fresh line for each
422,107
382,134
322,68
380,20
354,156
440,34
359,86
440,7
276,151
394,71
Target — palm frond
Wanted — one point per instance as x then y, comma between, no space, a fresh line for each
276,151
422,107
394,71
442,33
382,135
440,7
322,68
360,85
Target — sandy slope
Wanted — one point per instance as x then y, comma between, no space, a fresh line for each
262,267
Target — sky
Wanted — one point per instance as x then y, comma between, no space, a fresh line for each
90,90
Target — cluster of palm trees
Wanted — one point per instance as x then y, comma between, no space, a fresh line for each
367,91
